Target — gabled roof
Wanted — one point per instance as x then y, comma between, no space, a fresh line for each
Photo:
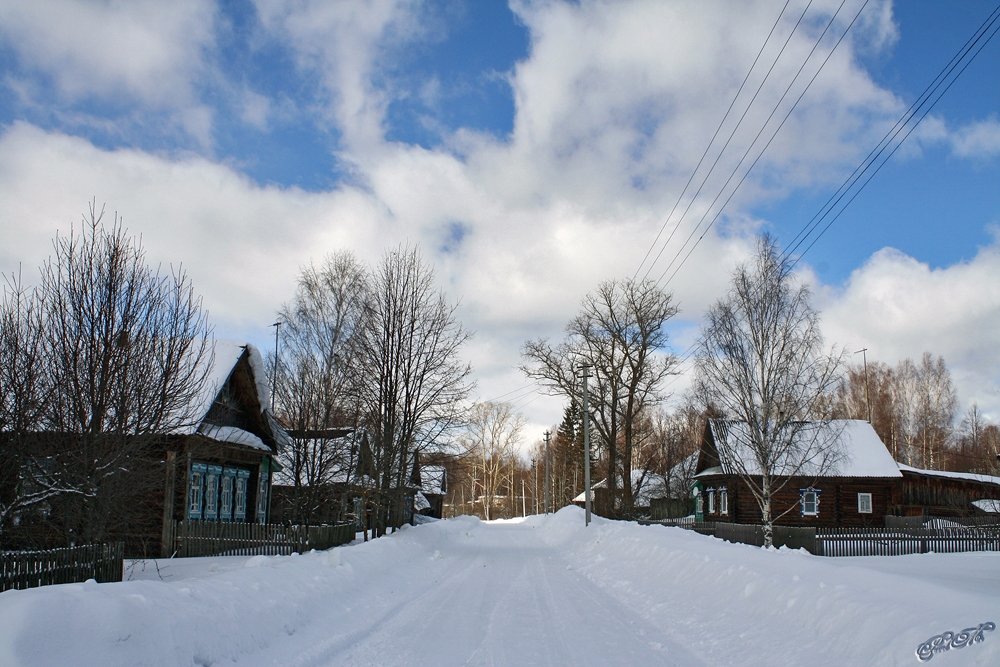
858,451
652,487
433,479
223,358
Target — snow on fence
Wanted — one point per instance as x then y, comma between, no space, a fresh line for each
939,535
27,569
209,538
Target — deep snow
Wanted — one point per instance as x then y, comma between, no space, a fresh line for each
544,591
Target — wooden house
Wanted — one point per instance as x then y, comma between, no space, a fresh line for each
429,500
860,487
217,468
220,468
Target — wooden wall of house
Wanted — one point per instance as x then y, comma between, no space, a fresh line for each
838,501
925,495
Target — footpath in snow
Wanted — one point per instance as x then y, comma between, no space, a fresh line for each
543,591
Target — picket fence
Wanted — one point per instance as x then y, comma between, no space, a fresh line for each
27,569
940,535
209,538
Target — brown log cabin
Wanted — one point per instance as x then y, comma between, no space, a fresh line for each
218,468
861,488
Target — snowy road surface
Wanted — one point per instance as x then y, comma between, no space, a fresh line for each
545,591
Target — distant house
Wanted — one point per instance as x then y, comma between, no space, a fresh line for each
429,500
676,502
861,488
648,488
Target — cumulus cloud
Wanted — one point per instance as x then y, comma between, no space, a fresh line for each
144,48
980,139
899,307
614,104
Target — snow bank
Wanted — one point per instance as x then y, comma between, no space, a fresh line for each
462,591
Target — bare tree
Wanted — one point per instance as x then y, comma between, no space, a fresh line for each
126,351
408,376
492,436
978,445
760,361
313,381
620,333
22,401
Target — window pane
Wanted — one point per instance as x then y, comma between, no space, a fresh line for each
865,503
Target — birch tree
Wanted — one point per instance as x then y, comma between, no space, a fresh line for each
493,434
760,360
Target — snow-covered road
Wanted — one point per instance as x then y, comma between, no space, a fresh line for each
544,591
501,596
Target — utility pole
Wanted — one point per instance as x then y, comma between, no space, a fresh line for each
524,507
274,371
586,442
548,476
534,487
868,399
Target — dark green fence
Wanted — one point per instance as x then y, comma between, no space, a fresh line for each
209,538
920,535
27,569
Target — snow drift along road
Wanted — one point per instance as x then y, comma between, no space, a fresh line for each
545,591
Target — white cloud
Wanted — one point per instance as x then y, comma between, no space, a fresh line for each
147,49
980,139
614,104
899,307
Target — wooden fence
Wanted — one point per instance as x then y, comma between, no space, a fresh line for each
942,535
903,541
209,538
27,569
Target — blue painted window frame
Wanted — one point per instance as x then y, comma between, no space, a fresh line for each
226,488
262,488
196,490
803,500
211,512
240,495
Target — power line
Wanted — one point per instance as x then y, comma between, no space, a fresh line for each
876,153
531,387
714,136
766,145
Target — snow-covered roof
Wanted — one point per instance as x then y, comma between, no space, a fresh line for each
967,476
652,487
432,479
218,364
221,359
420,503
857,449
232,434
988,505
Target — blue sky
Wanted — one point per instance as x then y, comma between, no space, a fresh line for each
531,149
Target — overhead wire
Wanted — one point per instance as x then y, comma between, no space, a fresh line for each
903,123
766,145
708,148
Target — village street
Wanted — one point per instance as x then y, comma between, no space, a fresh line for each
544,591
501,596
